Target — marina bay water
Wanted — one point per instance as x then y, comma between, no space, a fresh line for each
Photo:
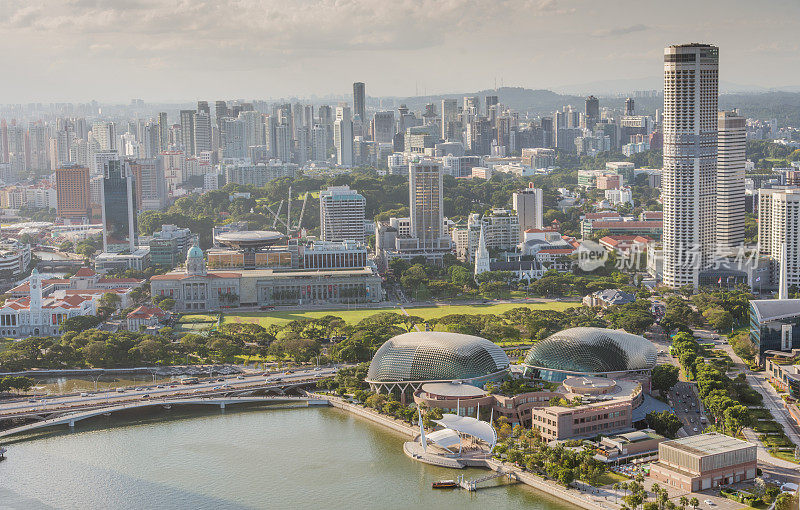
304,458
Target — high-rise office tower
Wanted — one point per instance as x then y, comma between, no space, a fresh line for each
449,117
359,100
343,136
119,209
426,203
202,107
72,192
383,126
202,132
690,159
341,214
629,106
220,111
732,133
592,111
187,131
528,204
163,132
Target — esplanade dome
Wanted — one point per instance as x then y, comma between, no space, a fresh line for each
579,351
437,356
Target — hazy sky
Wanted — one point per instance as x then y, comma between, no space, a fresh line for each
76,50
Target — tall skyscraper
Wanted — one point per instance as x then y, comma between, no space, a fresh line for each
690,159
359,100
150,190
592,111
341,214
449,117
426,203
779,232
343,136
283,143
232,138
528,204
119,209
202,132
319,143
163,132
72,192
730,180
187,131
383,126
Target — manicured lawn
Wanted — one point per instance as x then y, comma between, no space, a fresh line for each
352,316
609,478
785,455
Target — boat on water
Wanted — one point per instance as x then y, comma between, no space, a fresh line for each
444,484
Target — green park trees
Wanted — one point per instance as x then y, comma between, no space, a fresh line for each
664,377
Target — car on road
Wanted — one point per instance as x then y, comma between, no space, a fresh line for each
221,379
138,388
84,394
240,377
146,395
159,386
32,400
120,390
708,502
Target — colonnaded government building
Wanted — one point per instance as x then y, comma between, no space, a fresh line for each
255,268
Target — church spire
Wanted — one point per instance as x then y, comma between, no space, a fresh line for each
482,255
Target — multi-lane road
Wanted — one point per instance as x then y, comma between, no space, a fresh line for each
204,386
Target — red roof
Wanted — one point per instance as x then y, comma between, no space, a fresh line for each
540,230
85,271
119,280
624,239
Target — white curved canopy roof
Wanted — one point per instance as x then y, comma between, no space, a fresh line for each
445,438
471,426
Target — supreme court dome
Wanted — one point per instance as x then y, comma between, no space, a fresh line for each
436,356
590,351
249,239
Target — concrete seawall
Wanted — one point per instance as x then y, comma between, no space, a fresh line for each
371,415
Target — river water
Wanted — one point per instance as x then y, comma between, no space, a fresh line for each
304,458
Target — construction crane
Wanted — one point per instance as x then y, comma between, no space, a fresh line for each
276,214
302,212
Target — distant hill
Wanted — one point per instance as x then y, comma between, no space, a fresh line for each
518,98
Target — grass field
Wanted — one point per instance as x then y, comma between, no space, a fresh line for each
352,316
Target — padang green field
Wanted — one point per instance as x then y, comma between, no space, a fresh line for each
353,316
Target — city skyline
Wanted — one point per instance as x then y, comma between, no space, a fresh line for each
165,52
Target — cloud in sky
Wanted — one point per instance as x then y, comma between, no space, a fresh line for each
612,32
185,49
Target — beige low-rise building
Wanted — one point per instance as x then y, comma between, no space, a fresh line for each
704,461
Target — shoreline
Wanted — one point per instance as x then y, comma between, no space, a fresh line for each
571,496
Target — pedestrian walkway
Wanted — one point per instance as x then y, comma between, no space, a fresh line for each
763,453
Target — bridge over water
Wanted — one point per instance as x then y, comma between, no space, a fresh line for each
222,402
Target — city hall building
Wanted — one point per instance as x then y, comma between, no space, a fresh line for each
196,289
